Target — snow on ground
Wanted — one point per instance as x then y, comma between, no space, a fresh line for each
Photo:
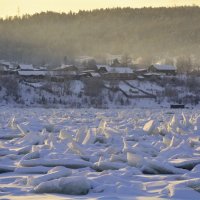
99,154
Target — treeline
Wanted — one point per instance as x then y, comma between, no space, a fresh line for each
149,32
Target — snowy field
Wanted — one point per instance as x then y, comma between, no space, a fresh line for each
99,154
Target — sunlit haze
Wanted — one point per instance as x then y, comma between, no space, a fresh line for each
20,7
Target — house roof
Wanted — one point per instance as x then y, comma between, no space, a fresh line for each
120,70
32,73
26,67
6,64
164,67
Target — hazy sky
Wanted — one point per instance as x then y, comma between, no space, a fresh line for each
10,7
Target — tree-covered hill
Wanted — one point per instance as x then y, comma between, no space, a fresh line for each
147,32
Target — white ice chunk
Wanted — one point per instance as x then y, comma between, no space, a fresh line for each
151,127
74,164
106,165
54,173
32,170
74,185
135,160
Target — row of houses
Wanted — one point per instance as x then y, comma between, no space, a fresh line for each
98,71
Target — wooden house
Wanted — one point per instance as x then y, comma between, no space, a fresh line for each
163,69
119,73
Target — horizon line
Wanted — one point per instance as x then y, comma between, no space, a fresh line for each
95,9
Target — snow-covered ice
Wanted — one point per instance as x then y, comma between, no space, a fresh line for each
99,154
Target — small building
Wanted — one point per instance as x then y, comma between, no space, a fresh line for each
4,66
163,69
25,67
7,68
119,73
65,70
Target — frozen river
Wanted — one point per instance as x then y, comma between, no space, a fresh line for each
99,154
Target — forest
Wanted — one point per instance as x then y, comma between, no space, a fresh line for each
150,33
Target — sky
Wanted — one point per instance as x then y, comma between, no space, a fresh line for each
20,7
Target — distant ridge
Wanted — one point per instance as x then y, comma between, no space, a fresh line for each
146,32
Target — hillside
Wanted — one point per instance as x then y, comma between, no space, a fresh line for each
98,93
148,32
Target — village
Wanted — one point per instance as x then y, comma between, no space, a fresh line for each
87,67
87,83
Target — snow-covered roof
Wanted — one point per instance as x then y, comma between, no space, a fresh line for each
26,67
164,67
4,68
120,70
6,63
32,73
42,67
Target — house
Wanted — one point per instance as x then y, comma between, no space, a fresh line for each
25,67
4,66
63,72
7,68
162,69
119,73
